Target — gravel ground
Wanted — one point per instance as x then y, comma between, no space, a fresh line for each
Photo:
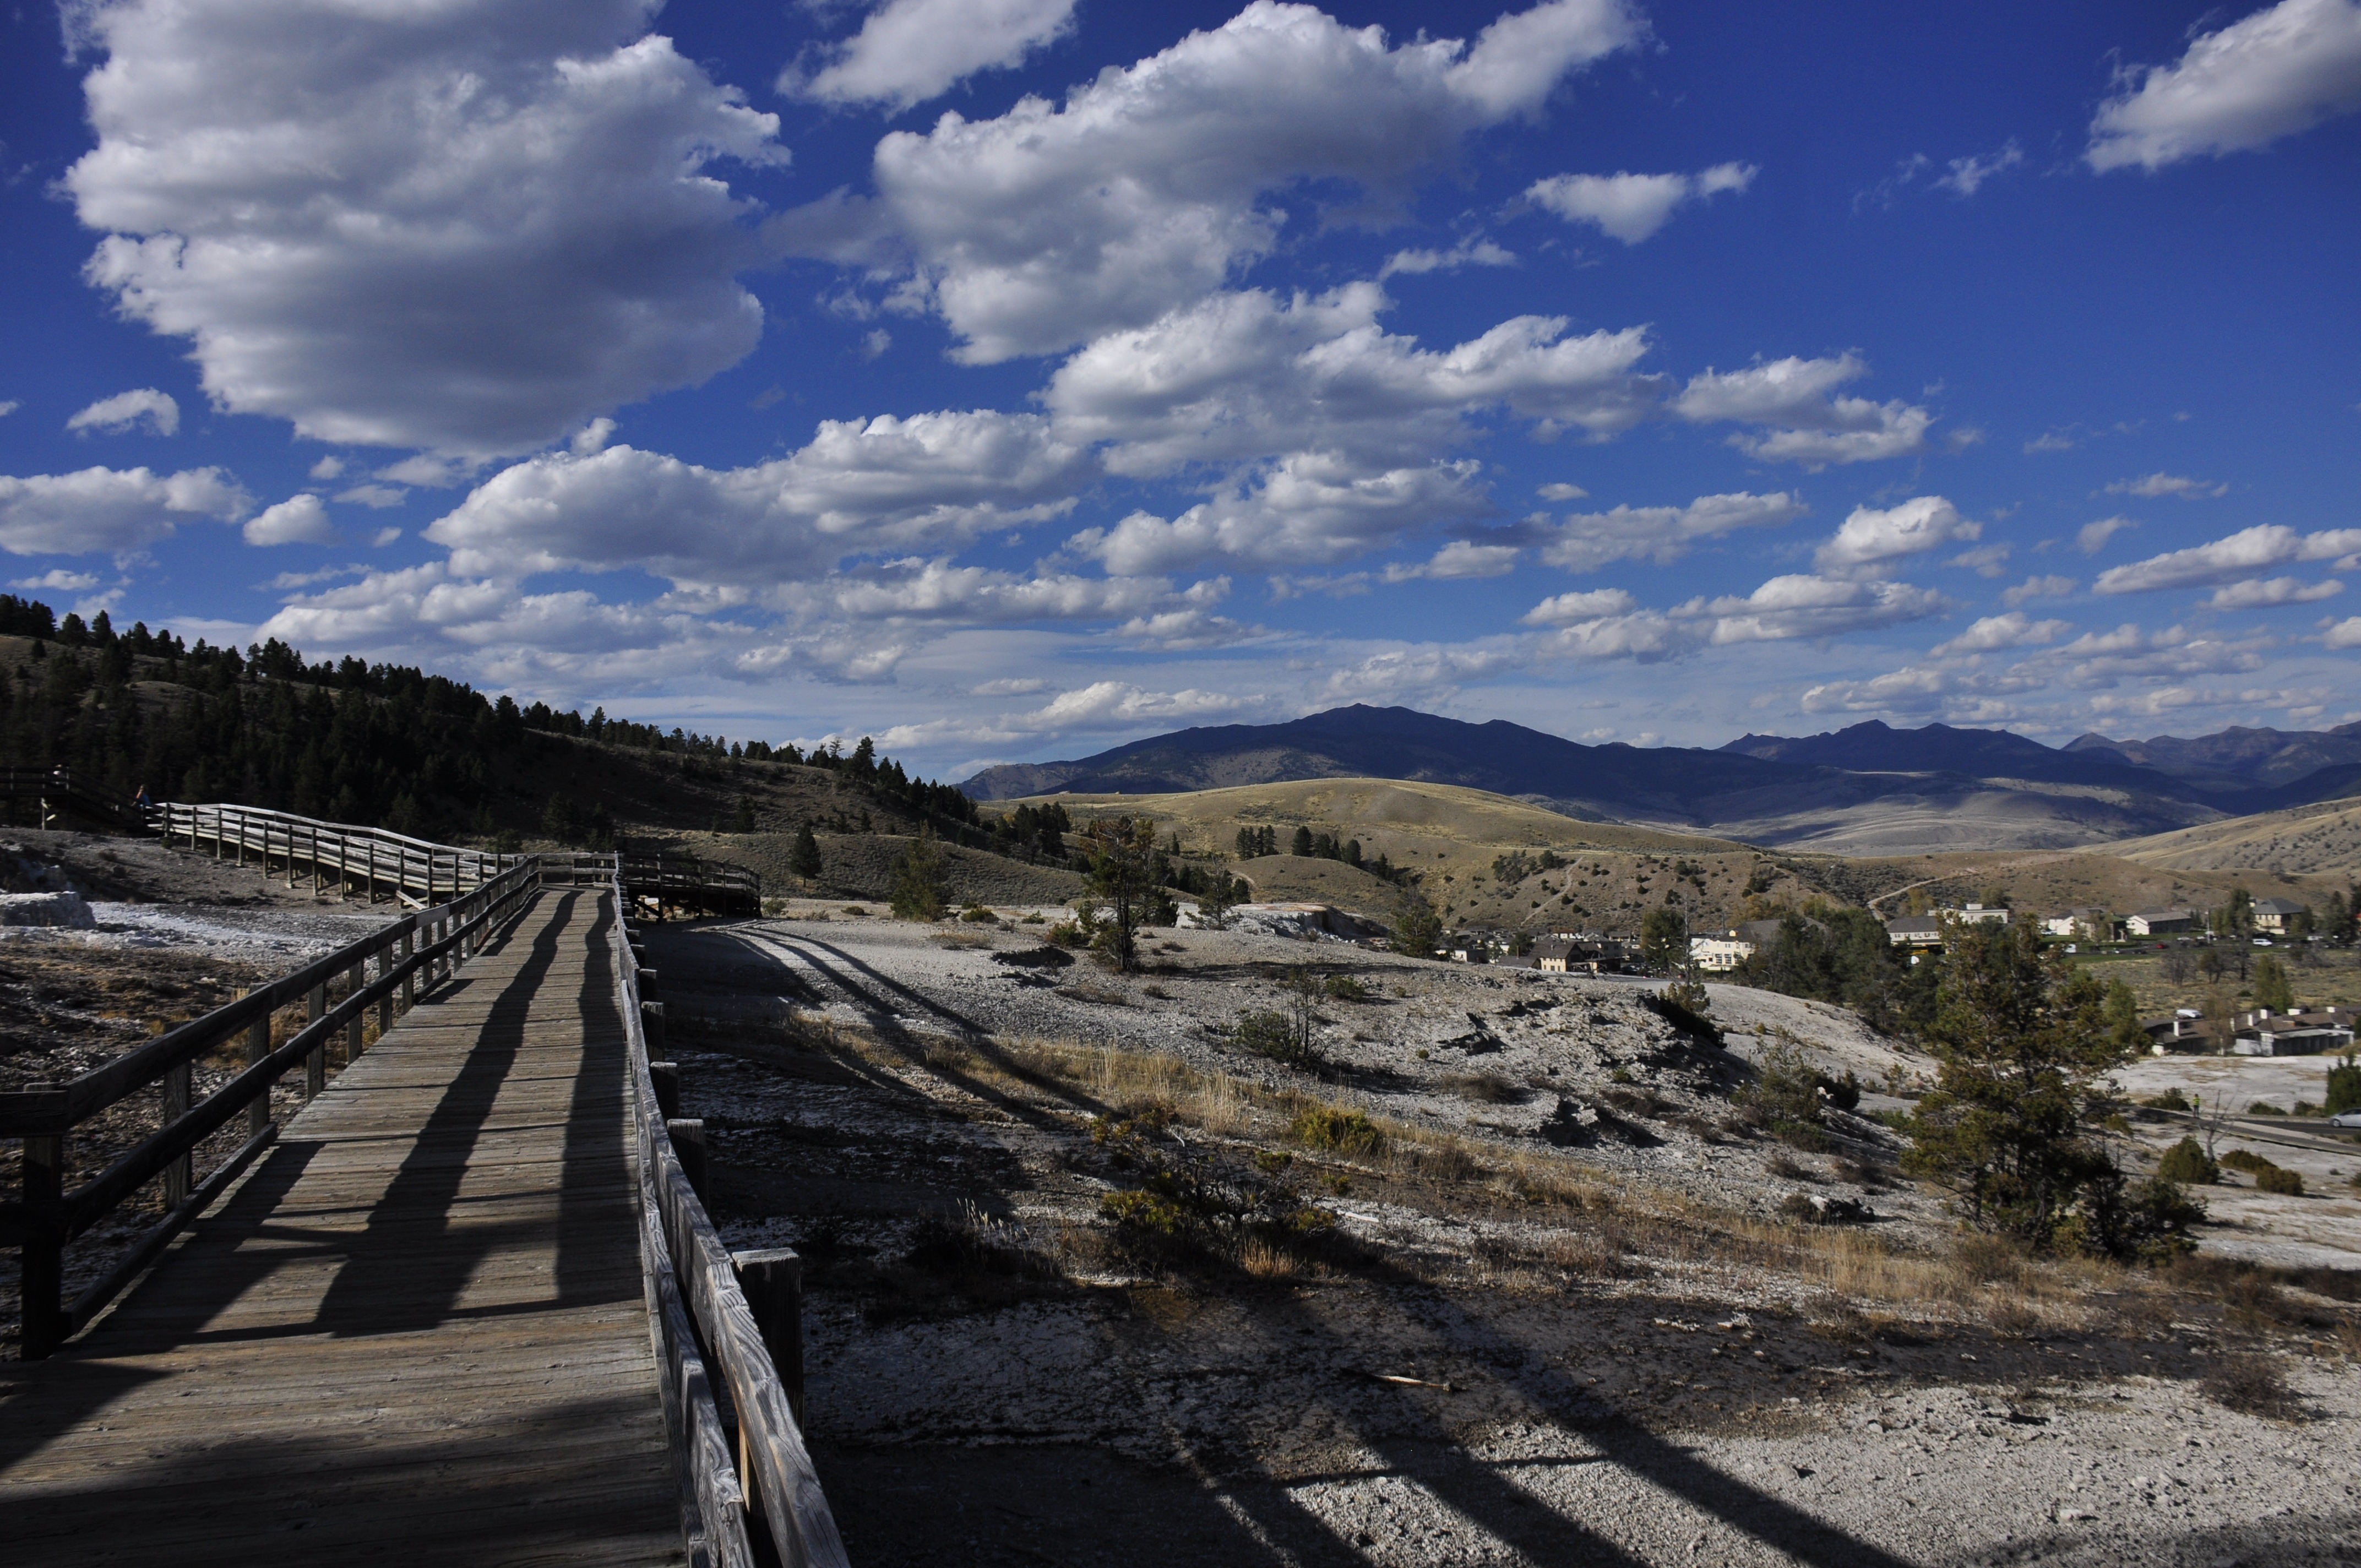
1473,1380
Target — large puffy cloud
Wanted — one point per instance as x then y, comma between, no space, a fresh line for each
1310,509
1630,207
1870,540
2279,71
2242,554
1240,375
1050,225
110,508
1585,541
1812,424
909,50
860,488
467,225
1101,706
120,412
936,590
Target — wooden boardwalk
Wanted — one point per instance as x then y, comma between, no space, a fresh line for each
416,1333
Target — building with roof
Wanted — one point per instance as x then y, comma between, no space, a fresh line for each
2277,915
2160,922
1915,931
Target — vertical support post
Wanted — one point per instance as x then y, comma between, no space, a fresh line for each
316,1065
689,1143
773,1282
43,1267
179,1176
356,979
372,871
665,1076
385,960
409,981
257,1045
652,1025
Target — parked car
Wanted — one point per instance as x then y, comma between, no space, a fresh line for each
2345,1119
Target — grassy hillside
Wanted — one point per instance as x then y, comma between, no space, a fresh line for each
861,865
1451,839
2307,840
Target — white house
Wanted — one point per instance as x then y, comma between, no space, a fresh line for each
1720,954
2158,921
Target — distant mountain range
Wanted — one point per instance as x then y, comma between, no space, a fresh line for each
1869,789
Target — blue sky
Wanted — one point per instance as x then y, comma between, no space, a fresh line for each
1007,379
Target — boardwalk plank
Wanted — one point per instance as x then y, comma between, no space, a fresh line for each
414,1331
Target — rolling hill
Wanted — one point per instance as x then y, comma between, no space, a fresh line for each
1869,789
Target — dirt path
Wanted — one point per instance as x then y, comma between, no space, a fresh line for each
1448,1390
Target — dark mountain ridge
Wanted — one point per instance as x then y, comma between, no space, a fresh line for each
1752,778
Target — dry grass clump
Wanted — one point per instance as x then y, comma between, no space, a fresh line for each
1786,1167
1488,1088
2252,1385
1331,1127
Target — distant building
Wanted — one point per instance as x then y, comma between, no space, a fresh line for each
1562,954
1979,914
2089,925
2263,1033
1719,955
2160,922
1915,931
2275,914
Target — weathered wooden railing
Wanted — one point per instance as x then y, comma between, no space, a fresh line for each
660,879
425,947
58,797
368,861
739,1315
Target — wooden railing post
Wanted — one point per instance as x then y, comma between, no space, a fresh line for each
773,1283
356,981
689,1143
42,1272
651,1024
385,962
316,1065
410,979
257,1045
665,1076
180,1177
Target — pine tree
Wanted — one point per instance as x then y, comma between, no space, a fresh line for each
805,861
918,880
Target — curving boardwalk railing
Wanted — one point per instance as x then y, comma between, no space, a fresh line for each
368,861
725,1328
713,1311
428,945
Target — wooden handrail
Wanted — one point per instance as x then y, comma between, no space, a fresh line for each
44,1116
702,1318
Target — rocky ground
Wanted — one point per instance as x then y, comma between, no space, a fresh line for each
1557,1313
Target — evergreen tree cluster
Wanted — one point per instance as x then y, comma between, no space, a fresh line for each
1253,843
383,745
1843,955
1034,831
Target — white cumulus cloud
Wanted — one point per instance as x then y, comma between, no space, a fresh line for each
1241,375
299,520
1564,610
1812,424
2242,554
1870,541
910,50
1310,508
467,225
2014,630
2151,486
120,412
860,488
2026,592
2345,633
1053,225
1460,558
1630,207
1585,541
2267,593
110,508
2280,71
